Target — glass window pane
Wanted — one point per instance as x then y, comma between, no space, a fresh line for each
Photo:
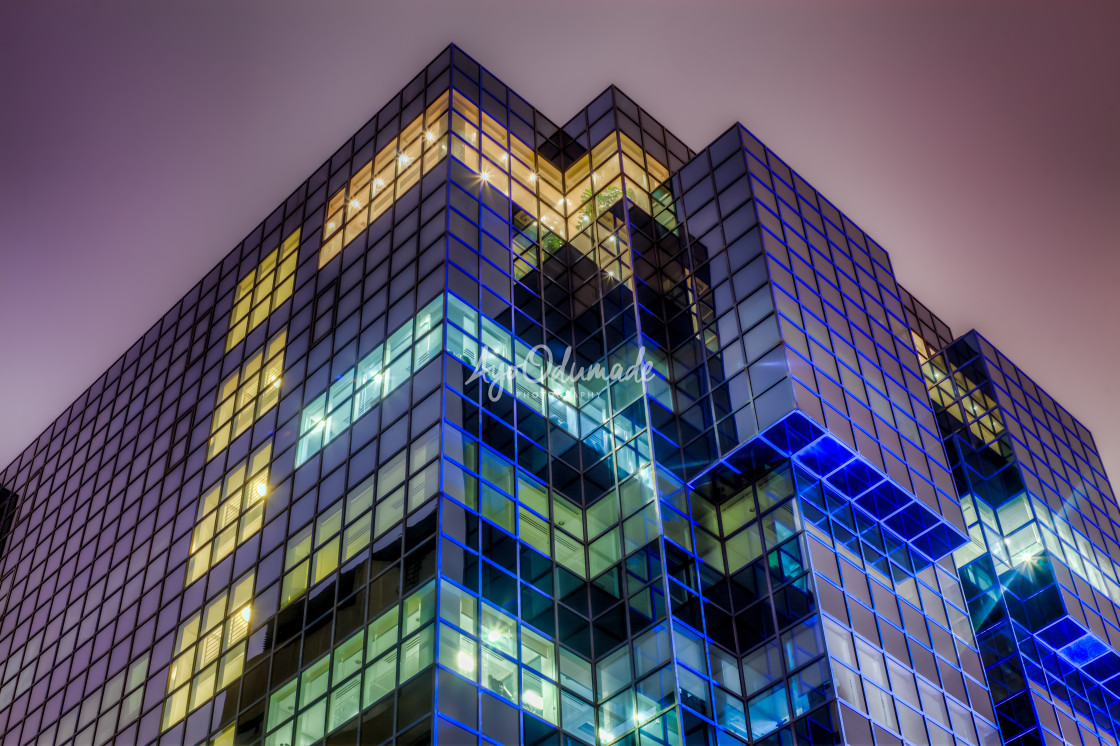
380,678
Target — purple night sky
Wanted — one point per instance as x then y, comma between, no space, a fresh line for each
978,143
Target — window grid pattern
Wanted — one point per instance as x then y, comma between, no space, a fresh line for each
397,168
209,651
263,290
621,712
247,394
1039,574
665,560
230,513
361,671
849,349
377,375
112,520
902,647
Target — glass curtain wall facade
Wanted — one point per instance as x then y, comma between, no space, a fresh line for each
1038,572
336,495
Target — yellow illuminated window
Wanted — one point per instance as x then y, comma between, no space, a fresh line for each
209,651
392,172
231,512
247,394
262,290
571,206
225,738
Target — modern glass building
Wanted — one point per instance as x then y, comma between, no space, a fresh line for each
499,431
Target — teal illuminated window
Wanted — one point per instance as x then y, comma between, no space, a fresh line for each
360,670
376,375
580,409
